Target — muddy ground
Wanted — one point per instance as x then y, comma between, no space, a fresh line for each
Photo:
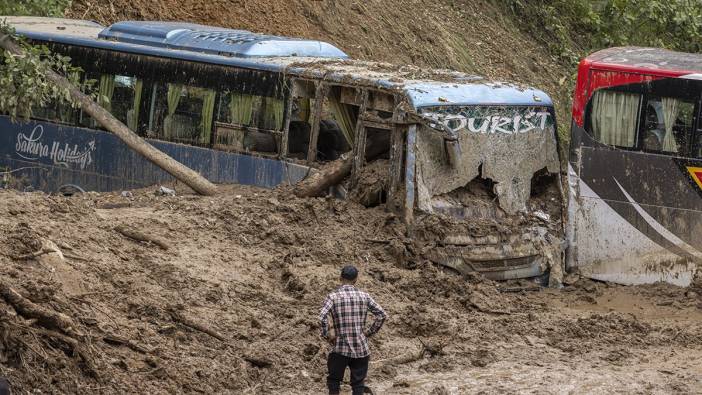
252,266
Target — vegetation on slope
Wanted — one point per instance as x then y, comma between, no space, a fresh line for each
571,28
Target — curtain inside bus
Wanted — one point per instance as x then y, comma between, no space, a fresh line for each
174,93
107,89
303,109
133,114
670,114
344,116
241,108
208,104
614,117
272,112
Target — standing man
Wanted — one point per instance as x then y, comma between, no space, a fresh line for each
349,307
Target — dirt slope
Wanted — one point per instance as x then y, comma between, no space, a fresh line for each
465,35
254,265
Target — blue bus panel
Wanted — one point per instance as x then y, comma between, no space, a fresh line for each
51,156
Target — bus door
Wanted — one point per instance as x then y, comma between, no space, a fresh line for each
638,206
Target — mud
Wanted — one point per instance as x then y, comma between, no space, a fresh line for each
252,266
373,184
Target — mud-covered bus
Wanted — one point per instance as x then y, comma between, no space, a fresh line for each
471,165
635,167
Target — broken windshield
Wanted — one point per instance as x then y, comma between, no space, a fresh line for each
505,144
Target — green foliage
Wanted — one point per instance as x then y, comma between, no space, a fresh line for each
571,28
34,7
23,82
674,24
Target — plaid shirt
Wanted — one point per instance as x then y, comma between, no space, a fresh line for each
349,307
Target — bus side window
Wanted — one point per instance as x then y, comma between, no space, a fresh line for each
182,113
667,125
120,95
248,123
55,111
614,117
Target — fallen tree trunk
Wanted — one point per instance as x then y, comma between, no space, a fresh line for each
179,317
402,359
318,183
181,172
77,347
136,235
28,309
333,173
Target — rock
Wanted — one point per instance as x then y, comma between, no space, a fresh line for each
163,191
483,358
571,279
440,390
401,384
542,216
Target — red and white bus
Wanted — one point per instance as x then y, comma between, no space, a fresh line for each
635,167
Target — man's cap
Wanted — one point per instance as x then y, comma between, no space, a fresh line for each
349,272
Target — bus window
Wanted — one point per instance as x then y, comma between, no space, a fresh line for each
299,129
668,123
614,117
338,125
182,113
121,96
248,123
55,111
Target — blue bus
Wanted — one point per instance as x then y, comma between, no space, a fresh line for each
471,164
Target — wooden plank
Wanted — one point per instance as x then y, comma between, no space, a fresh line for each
397,149
316,116
359,147
287,115
410,173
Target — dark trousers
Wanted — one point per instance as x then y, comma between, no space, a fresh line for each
337,363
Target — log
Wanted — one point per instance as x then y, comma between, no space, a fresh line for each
197,326
333,173
77,348
118,340
181,172
136,235
35,254
402,359
259,362
28,309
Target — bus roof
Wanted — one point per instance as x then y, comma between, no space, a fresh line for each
298,57
647,60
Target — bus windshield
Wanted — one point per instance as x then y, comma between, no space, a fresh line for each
504,144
